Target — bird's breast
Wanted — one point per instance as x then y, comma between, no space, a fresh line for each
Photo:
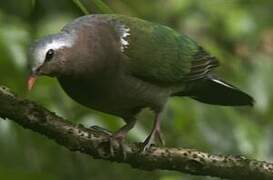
121,96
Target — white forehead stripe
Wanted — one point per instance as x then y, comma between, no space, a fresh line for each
55,43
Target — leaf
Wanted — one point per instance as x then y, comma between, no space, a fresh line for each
81,6
104,8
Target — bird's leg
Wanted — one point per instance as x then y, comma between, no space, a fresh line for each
118,137
155,133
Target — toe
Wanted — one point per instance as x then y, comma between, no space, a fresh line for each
147,143
117,142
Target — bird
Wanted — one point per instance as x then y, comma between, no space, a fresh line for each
120,65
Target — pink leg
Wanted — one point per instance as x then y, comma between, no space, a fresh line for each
155,133
118,137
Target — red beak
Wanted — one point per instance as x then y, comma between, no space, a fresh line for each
31,81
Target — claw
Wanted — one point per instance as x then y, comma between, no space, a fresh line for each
117,141
149,141
147,144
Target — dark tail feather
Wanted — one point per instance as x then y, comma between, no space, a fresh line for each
218,92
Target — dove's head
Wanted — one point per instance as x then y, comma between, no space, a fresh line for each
48,55
80,51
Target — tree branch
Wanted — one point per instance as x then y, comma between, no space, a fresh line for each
94,142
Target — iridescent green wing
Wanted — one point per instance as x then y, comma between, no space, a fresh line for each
158,53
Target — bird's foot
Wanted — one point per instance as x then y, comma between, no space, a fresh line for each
155,134
114,141
117,141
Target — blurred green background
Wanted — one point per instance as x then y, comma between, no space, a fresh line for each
238,32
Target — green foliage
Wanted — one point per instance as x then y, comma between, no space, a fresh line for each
81,6
102,7
238,32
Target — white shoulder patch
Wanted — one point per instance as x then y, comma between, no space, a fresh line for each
124,38
124,33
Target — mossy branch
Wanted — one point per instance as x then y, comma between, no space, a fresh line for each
94,142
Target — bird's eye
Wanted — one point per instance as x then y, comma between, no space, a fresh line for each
49,55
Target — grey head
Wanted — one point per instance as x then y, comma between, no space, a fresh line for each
81,49
47,55
48,51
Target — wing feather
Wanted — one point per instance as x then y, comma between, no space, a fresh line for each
202,65
158,54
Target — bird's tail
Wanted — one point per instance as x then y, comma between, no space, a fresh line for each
215,91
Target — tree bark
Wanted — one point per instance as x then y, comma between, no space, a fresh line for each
94,142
